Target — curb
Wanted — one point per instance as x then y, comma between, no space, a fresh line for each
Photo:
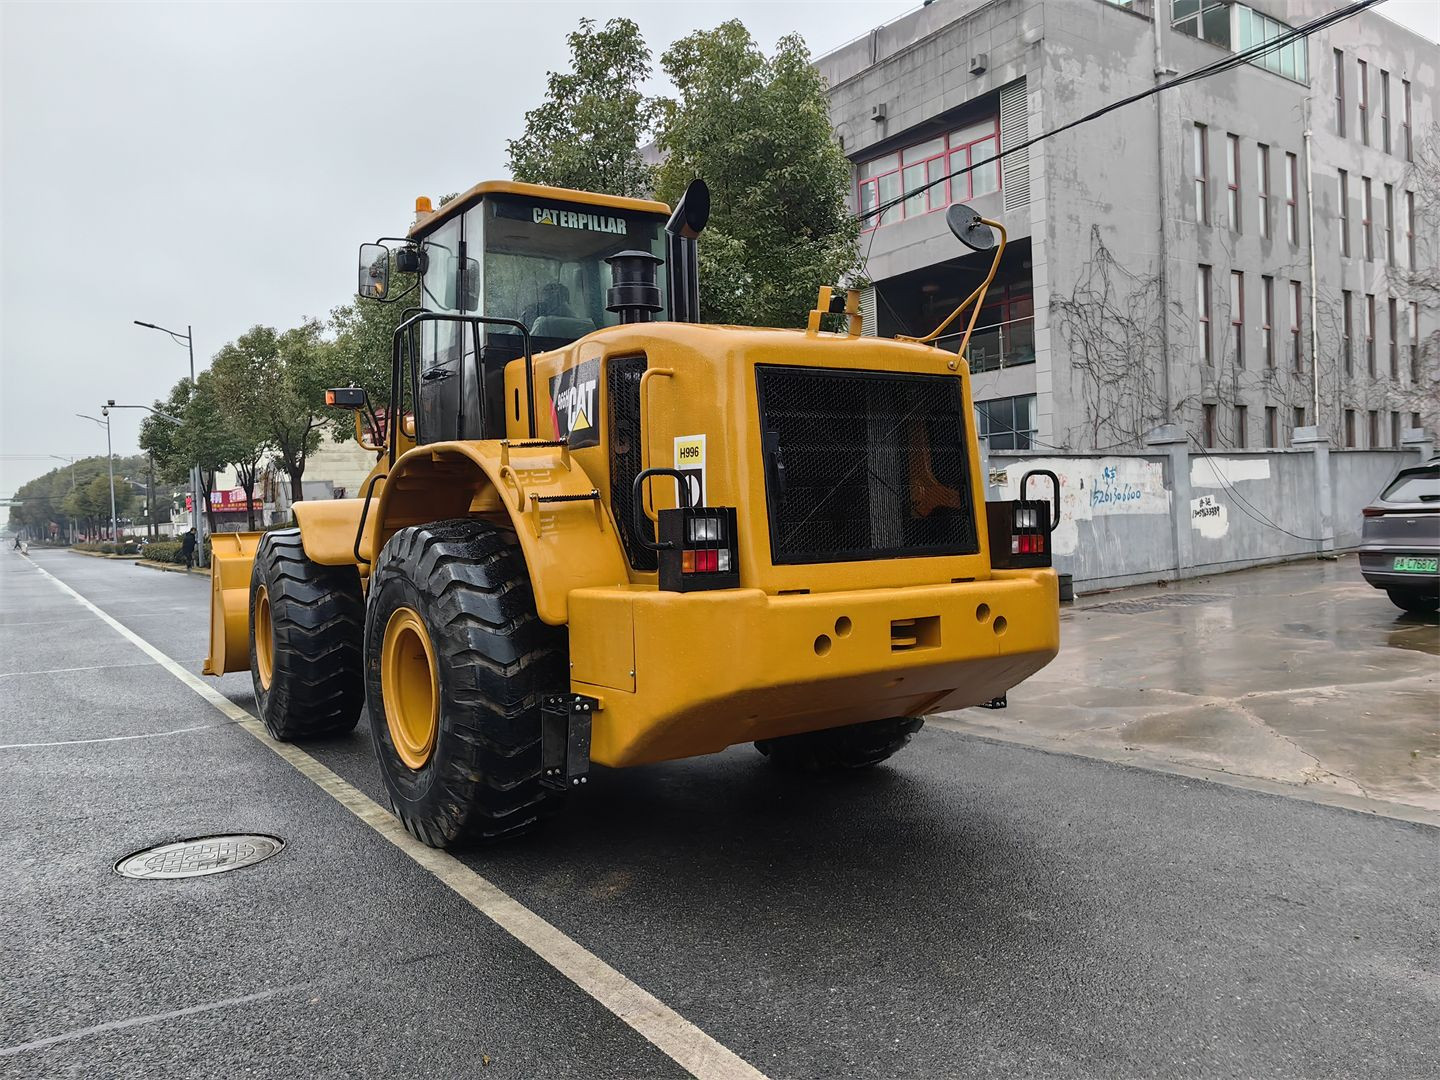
101,555
170,568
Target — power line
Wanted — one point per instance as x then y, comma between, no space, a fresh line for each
1215,67
1258,515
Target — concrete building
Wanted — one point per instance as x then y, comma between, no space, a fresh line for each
1161,265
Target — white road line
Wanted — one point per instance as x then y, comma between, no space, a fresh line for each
153,1018
65,670
115,738
669,1032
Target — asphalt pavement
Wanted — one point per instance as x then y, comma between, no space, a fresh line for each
973,908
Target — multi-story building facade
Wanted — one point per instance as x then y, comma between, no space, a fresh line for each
1236,256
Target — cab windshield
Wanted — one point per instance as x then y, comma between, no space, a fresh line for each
544,263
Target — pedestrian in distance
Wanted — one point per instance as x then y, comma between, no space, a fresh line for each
187,548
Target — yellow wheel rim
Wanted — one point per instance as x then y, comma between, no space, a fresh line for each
410,687
264,638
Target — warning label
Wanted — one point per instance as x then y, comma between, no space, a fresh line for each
574,404
690,460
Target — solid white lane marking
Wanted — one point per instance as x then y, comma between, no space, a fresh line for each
66,670
669,1032
114,738
152,1018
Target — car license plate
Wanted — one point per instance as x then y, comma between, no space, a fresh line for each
1409,564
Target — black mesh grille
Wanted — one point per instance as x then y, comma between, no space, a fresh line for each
864,465
624,390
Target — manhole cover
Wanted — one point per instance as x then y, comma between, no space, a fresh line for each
195,858
1155,603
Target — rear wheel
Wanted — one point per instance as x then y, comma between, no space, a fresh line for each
456,665
856,746
1414,600
306,622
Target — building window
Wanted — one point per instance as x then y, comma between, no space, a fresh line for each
1262,187
1372,427
1209,432
1208,20
1007,423
1415,345
1370,334
1297,353
1339,93
1200,166
1267,319
1350,428
1005,334
1394,429
1405,120
1410,231
1272,426
1237,317
1297,420
1392,311
1348,330
1202,308
1389,225
1367,217
884,179
1232,178
1344,213
1252,28
1385,110
1292,206
1241,423
1362,92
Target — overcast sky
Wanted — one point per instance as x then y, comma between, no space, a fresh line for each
216,165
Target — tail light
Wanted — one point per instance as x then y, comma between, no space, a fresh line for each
697,545
1373,511
1020,529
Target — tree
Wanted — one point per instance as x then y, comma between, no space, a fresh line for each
758,131
1419,285
361,351
587,133
234,383
200,439
290,379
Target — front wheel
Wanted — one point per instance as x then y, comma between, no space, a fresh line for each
1414,600
456,664
856,746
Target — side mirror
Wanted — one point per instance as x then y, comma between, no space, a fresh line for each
969,228
374,282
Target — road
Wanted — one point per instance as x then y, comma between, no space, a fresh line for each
974,908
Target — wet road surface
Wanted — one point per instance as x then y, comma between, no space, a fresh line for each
1301,674
972,909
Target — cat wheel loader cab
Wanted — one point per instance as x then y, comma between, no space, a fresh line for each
599,531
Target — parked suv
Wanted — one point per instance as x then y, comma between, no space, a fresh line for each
1400,541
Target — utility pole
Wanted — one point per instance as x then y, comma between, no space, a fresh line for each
110,458
197,520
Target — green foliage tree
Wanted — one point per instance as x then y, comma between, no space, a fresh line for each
201,438
291,381
360,352
757,129
587,132
241,409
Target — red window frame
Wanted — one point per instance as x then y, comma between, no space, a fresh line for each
946,188
1203,315
1292,197
1237,315
1267,318
1363,77
1367,215
1297,308
1348,303
1392,311
1232,178
1370,334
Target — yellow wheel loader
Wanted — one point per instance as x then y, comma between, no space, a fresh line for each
599,531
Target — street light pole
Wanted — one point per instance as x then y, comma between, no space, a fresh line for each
197,522
110,458
68,518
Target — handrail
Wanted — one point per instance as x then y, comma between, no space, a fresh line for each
667,373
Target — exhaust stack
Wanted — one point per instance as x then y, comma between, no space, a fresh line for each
634,294
683,264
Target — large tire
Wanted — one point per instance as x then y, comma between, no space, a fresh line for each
1415,600
306,625
462,766
856,746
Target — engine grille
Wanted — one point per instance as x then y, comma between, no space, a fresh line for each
624,390
864,465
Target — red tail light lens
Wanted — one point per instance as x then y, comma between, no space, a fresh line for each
1374,511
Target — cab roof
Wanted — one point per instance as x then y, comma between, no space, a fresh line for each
534,191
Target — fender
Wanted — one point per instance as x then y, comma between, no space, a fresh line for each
537,488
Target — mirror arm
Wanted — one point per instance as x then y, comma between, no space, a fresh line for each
977,298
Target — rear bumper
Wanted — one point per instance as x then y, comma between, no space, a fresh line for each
1376,567
680,675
